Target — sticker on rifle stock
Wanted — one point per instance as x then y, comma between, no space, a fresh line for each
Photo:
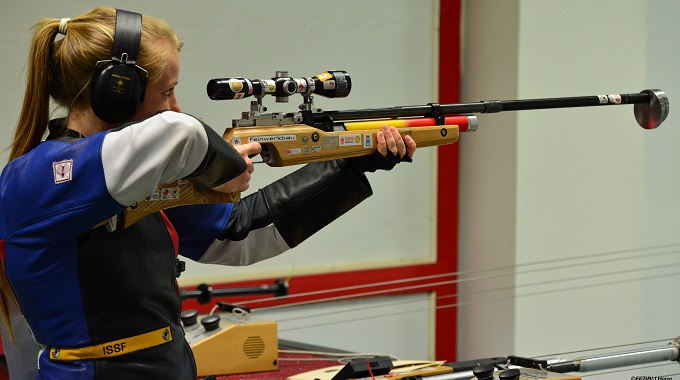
368,140
293,151
154,196
330,142
349,140
169,193
316,149
265,139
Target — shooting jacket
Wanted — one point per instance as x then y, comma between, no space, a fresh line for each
80,287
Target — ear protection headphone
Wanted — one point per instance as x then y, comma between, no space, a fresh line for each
118,84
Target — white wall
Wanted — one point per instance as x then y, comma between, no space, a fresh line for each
573,200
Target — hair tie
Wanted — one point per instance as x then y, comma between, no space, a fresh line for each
62,25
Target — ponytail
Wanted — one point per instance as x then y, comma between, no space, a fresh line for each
30,129
7,300
36,107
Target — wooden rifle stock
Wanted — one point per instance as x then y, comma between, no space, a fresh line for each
301,144
292,145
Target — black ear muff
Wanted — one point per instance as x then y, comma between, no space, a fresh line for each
118,84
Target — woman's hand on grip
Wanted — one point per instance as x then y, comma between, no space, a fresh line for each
241,183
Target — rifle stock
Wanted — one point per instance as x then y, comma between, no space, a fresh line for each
178,193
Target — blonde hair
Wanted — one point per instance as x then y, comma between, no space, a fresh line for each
61,70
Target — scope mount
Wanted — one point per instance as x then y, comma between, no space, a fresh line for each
330,84
257,115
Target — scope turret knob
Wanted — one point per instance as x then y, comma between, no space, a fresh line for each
189,317
211,322
484,371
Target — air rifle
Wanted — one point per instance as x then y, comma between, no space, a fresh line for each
311,134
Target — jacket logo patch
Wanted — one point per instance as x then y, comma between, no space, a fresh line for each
63,171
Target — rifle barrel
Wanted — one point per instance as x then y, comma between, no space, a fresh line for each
651,107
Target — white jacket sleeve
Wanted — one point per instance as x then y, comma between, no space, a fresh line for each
157,150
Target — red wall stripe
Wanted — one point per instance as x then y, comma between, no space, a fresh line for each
447,192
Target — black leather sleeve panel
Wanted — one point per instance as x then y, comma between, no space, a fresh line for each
221,164
249,214
312,197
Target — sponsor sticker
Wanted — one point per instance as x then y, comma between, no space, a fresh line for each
324,76
329,85
269,84
264,139
368,140
349,140
235,85
169,193
156,195
330,142
302,84
250,86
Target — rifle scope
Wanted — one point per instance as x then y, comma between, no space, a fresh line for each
329,84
